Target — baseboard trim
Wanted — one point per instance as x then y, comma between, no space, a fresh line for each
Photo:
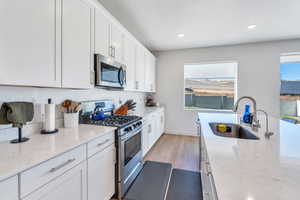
187,133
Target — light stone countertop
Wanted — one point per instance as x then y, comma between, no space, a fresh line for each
15,158
149,110
254,169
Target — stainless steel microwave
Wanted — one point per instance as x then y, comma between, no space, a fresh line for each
109,73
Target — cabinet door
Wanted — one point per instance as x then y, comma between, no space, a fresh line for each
101,33
101,174
29,52
145,138
129,60
9,189
148,72
117,43
152,73
71,185
152,131
140,68
162,122
76,44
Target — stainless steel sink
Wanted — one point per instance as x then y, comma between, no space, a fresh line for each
234,131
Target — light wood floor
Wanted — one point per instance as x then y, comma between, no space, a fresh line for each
181,151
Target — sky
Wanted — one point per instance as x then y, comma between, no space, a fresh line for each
290,71
210,70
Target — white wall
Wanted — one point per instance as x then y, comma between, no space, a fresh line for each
40,95
258,76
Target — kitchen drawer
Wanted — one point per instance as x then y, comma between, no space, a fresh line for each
37,176
100,143
9,189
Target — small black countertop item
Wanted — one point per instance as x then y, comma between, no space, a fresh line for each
17,114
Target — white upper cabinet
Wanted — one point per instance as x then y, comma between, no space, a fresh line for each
102,33
116,43
28,45
108,37
149,72
140,68
51,43
76,44
153,73
129,61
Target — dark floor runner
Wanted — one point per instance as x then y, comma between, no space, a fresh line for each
151,183
185,185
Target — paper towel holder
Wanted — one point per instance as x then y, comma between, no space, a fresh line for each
49,131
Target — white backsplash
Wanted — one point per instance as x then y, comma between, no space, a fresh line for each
39,97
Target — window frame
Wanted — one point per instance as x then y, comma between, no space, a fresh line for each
207,110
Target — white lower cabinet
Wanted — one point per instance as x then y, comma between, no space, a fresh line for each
70,185
84,173
9,189
161,124
101,174
208,185
152,130
148,135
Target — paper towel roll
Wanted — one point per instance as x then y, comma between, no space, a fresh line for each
49,124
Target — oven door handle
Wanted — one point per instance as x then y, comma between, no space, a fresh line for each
125,137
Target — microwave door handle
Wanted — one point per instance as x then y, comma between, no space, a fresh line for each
125,78
119,76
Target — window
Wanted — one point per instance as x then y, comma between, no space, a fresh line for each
290,88
210,86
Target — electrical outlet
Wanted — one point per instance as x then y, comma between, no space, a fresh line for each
39,113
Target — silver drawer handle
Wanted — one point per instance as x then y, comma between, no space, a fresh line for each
102,143
54,169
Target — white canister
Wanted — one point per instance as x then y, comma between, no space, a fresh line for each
71,120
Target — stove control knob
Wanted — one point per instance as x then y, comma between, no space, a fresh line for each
128,129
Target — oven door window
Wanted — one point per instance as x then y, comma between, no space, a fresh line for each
109,73
132,147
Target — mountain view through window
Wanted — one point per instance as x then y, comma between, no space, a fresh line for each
210,86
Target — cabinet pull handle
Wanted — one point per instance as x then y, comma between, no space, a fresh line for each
102,143
114,52
110,50
137,85
54,169
149,128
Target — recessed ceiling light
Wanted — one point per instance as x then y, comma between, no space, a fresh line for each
181,35
253,26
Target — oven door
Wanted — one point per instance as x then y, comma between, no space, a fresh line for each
130,162
109,73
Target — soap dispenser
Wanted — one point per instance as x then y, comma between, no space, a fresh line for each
247,114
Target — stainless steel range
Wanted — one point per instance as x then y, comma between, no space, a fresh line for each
128,140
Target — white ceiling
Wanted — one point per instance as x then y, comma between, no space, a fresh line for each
156,23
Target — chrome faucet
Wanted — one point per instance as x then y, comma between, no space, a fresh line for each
255,123
268,133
